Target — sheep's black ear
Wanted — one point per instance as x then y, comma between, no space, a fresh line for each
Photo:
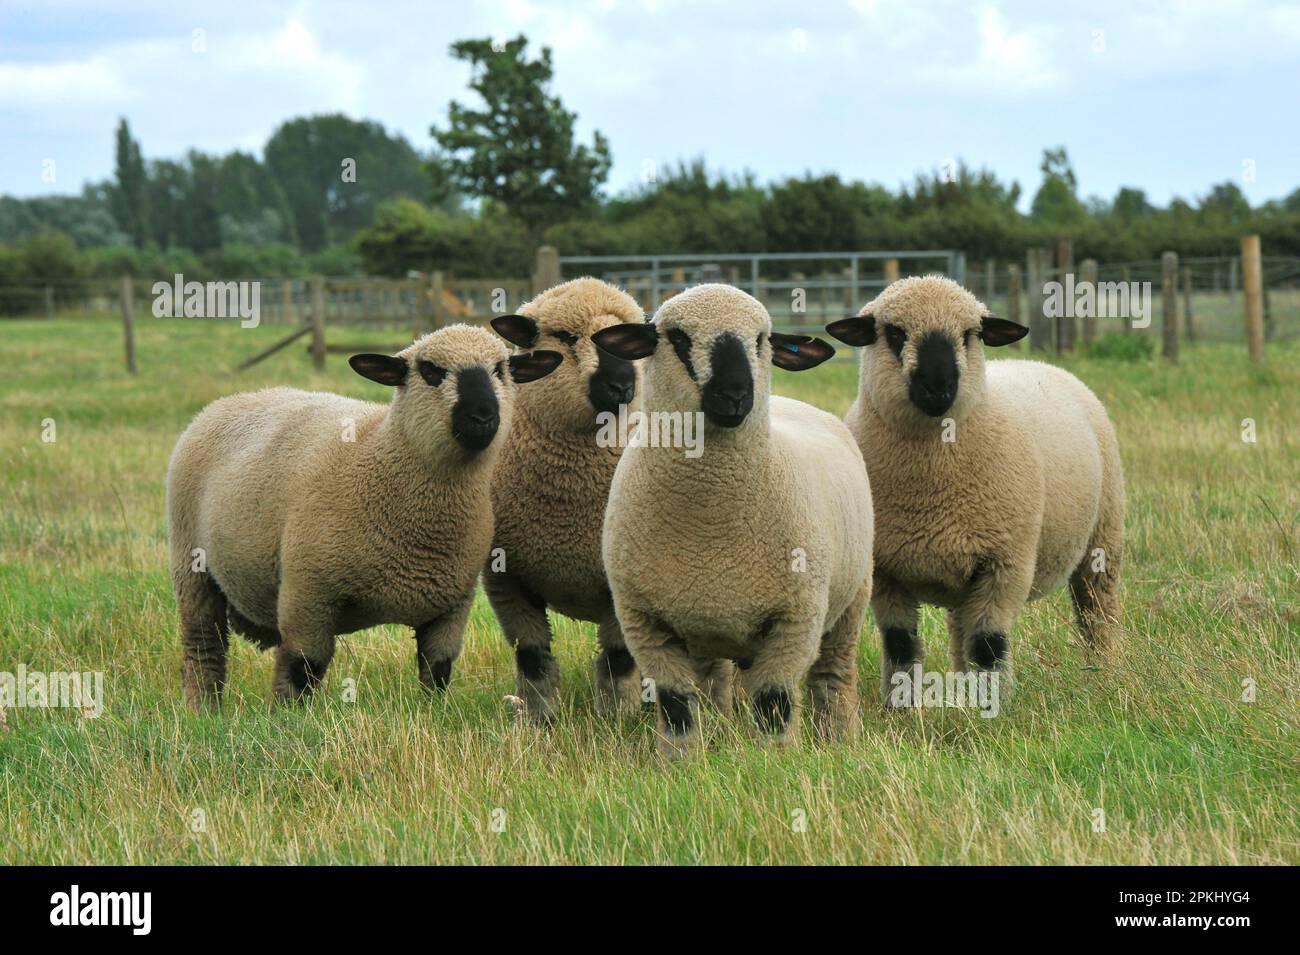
385,369
854,330
799,352
516,329
628,341
534,365
999,331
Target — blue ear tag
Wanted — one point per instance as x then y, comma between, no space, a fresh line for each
791,347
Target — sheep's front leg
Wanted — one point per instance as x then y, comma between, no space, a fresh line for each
663,659
833,679
897,615
522,615
438,643
301,660
981,624
771,677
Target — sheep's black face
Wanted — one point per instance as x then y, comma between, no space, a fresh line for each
612,384
476,414
728,396
933,385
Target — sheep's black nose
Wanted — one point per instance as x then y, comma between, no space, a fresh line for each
612,384
728,396
933,387
475,416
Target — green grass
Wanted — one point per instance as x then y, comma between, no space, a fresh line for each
1161,740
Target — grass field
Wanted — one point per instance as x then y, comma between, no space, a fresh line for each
1185,770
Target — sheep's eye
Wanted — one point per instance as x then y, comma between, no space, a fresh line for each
568,338
895,336
681,343
431,372
500,370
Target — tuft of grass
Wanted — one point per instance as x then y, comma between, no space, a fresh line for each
1186,739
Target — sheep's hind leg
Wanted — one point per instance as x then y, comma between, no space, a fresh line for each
438,644
833,679
618,682
522,615
205,638
1094,590
897,615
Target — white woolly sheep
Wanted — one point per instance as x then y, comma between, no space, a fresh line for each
759,550
993,485
549,491
298,516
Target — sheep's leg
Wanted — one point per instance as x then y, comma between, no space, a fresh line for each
1094,586
618,682
438,644
307,648
897,615
664,660
205,638
833,679
716,678
522,615
985,617
771,678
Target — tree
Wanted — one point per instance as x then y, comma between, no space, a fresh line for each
129,199
519,149
335,171
1057,202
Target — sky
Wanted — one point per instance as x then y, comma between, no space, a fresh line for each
1170,97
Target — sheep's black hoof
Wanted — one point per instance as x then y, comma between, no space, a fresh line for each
901,646
772,710
988,650
304,675
678,710
436,674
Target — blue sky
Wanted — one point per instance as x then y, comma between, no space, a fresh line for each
1166,96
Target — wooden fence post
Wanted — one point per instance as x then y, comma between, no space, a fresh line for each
1040,326
318,322
1065,322
1169,305
49,302
1189,327
435,294
547,272
286,300
1252,274
1125,277
1013,297
1089,272
128,323
891,270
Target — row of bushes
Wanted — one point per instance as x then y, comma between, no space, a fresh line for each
52,259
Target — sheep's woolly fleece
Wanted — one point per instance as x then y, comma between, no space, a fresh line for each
307,534
758,551
1026,493
549,491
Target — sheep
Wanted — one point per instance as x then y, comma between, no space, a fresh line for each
549,491
758,551
993,484
296,516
